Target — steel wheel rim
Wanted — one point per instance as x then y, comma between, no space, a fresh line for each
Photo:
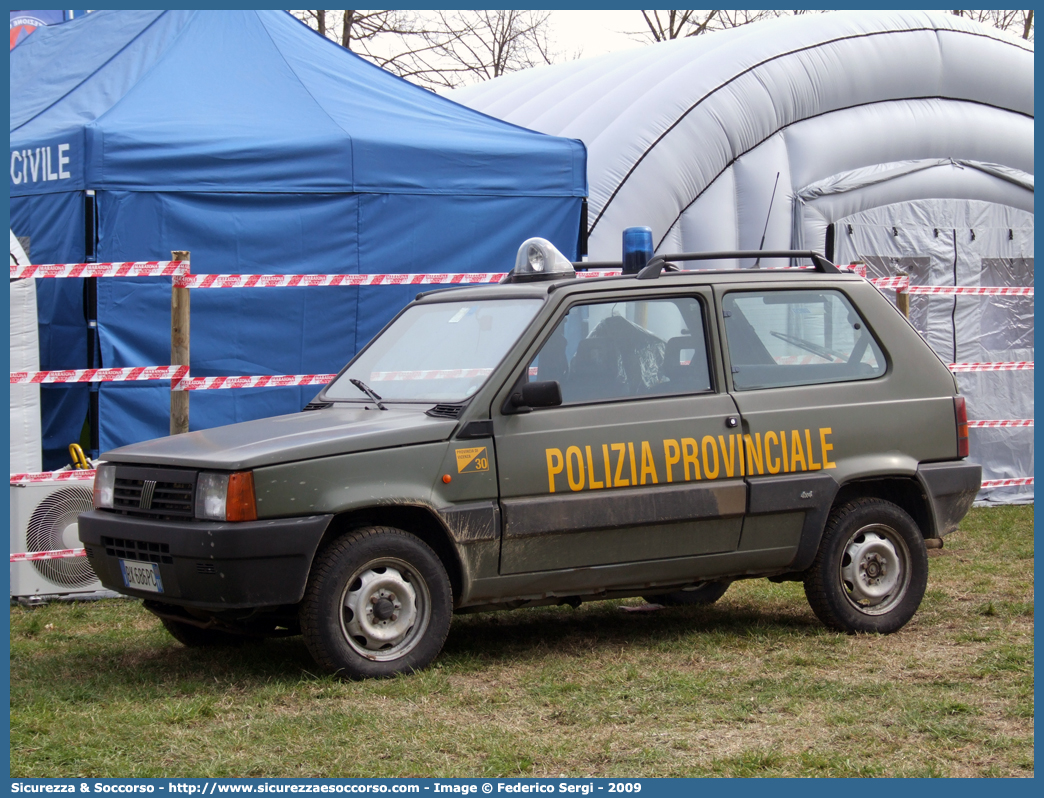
875,569
385,609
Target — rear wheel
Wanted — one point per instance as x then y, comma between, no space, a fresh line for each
378,603
703,593
871,570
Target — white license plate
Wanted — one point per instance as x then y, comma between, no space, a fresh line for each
141,575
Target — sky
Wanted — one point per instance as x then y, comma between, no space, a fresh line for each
595,32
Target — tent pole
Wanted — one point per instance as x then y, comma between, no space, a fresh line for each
179,348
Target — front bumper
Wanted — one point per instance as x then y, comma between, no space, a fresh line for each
951,488
207,565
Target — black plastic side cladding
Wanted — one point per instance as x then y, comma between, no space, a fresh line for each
473,523
476,429
628,507
951,489
812,493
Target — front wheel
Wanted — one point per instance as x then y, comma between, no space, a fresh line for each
378,603
871,570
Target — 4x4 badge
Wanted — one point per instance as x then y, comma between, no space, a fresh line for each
474,459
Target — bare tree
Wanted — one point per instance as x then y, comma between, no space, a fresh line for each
676,24
440,49
363,31
665,25
480,45
1019,23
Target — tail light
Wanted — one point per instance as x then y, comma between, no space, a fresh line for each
961,411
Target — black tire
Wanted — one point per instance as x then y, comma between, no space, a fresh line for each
194,637
703,593
378,603
871,569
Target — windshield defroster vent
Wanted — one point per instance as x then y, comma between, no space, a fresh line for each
445,411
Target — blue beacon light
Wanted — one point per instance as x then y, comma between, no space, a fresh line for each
637,249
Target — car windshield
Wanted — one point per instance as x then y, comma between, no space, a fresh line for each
437,352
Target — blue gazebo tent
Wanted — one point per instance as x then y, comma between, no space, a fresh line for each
261,147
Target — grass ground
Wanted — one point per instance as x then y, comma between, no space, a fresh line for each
753,686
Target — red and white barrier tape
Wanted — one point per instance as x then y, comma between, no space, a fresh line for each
1007,483
1017,365
978,290
180,270
57,554
902,285
63,554
181,382
52,476
430,374
139,373
309,280
1022,365
896,283
316,280
267,381
803,360
1013,422
146,268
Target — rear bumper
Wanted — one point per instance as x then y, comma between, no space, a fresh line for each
212,566
951,488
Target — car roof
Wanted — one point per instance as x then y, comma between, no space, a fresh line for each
697,277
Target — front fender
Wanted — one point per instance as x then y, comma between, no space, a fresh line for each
338,484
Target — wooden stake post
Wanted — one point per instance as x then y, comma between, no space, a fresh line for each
902,301
179,349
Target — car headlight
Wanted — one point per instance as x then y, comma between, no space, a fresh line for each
104,485
226,497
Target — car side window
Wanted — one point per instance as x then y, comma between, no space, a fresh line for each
616,350
806,337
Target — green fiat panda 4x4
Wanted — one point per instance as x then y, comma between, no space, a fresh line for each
557,440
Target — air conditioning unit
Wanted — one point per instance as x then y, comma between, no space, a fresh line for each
43,518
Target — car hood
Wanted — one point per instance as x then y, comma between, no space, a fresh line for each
281,439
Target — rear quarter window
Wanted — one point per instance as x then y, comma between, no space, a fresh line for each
803,337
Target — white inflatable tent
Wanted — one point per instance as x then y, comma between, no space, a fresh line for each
902,139
26,437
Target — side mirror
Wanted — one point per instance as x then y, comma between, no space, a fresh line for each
534,394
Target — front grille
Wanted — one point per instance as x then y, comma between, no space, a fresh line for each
140,550
161,493
206,568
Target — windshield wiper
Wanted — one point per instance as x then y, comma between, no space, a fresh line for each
366,389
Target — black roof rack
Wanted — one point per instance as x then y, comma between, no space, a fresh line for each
656,265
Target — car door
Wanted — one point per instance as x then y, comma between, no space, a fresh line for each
809,379
640,461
